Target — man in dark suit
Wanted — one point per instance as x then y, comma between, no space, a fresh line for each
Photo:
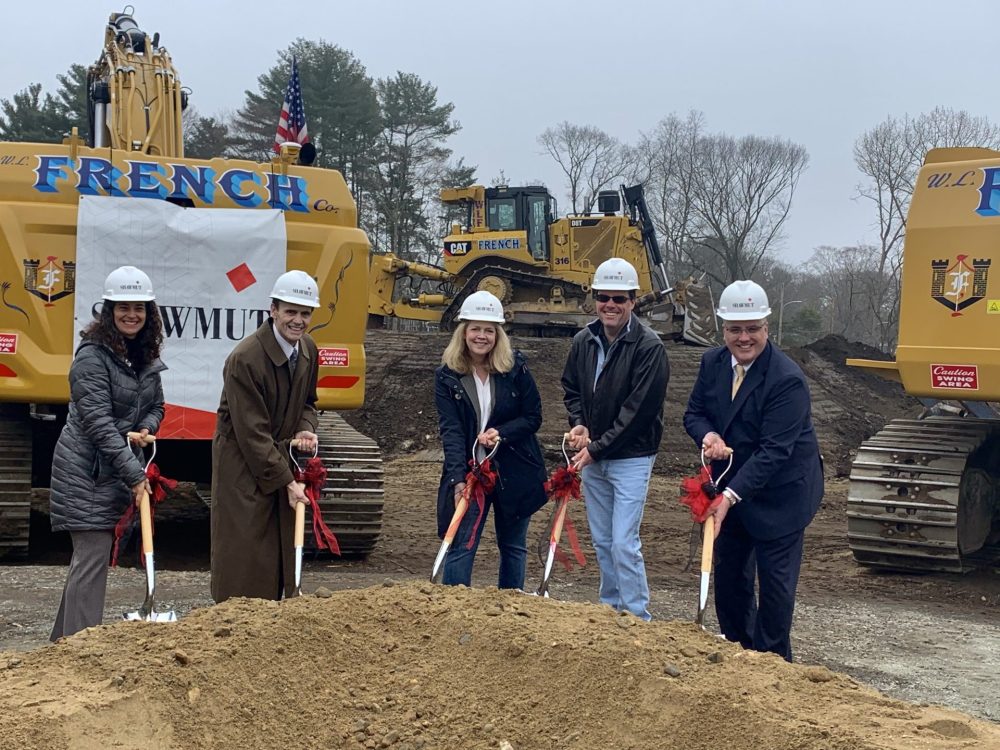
751,398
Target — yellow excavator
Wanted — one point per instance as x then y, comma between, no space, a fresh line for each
925,493
539,266
136,152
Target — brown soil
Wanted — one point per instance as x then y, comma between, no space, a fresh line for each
407,665
420,666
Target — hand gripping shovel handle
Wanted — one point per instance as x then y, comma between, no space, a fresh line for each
707,545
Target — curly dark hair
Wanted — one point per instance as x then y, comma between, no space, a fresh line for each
150,336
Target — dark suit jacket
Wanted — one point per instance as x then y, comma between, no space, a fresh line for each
777,470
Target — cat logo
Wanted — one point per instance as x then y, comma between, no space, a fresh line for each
51,280
456,248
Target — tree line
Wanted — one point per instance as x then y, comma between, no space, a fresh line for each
719,202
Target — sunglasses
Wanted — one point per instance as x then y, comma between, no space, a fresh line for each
618,299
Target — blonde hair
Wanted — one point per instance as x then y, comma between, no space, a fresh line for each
456,354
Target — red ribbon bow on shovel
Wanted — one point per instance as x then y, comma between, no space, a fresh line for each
313,476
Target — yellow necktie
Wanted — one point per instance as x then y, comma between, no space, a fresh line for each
741,371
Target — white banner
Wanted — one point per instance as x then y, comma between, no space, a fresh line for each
212,270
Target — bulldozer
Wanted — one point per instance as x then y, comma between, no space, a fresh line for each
924,494
70,212
512,245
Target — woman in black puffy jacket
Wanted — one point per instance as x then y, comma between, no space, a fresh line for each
485,395
114,389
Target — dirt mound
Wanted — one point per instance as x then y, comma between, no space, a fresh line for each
415,666
849,404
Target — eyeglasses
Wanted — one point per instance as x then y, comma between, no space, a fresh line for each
739,330
618,299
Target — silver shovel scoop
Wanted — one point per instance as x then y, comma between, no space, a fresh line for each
147,611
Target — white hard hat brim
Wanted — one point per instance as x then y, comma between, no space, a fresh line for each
295,300
129,297
759,315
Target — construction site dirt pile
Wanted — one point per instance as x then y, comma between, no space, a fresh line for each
849,404
409,666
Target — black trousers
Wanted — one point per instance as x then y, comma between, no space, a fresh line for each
82,604
760,622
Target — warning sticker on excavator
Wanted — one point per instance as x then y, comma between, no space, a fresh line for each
993,307
8,343
961,377
329,357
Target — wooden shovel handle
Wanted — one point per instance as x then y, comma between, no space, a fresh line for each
707,545
146,523
138,439
300,524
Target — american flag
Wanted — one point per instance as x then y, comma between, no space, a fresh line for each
292,121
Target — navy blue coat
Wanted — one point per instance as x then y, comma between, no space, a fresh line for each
516,415
777,470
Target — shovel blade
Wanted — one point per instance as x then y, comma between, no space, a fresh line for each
169,616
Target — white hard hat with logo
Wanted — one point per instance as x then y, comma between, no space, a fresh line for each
296,288
128,284
743,300
483,307
615,274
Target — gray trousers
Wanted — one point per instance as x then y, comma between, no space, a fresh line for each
82,604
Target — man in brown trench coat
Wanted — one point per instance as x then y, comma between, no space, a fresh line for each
268,398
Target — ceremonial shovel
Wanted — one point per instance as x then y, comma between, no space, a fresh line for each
460,507
300,522
708,539
146,611
557,527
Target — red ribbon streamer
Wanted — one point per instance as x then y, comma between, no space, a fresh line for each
561,487
694,494
314,477
479,482
158,486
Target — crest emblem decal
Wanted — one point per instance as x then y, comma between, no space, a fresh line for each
958,284
50,281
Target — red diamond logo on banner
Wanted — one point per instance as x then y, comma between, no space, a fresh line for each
241,277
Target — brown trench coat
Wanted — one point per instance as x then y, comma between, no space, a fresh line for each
262,408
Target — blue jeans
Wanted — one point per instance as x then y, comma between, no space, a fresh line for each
615,494
512,541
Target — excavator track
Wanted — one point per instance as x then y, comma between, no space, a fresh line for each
925,495
15,481
353,496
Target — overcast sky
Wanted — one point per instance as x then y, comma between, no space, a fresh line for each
817,73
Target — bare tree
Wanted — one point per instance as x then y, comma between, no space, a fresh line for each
591,159
742,193
666,167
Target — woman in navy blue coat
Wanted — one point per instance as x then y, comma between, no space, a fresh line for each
485,394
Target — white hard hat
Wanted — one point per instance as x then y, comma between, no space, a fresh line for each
615,274
743,300
483,307
128,284
297,288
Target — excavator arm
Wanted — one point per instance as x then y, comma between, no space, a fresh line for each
135,98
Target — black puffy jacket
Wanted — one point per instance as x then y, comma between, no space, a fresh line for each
93,467
624,410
